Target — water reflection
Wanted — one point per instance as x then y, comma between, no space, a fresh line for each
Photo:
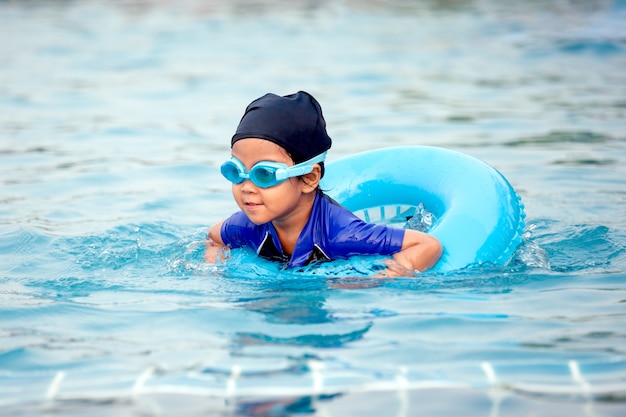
286,308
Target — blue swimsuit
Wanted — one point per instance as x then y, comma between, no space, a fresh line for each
332,232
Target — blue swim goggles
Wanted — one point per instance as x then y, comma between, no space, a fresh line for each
267,174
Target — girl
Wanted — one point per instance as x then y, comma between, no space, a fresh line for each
277,162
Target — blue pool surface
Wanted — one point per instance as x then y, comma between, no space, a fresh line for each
114,119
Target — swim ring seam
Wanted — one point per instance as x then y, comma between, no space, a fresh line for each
517,239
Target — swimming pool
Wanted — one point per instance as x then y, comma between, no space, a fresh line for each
114,118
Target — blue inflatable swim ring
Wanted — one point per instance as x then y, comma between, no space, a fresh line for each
479,216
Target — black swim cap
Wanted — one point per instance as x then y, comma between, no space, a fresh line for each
294,122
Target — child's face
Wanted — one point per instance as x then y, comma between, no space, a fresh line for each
280,203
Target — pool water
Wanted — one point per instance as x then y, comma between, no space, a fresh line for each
115,116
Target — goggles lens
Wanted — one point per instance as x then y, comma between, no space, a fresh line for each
266,174
231,170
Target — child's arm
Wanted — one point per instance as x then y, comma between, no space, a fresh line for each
214,244
420,251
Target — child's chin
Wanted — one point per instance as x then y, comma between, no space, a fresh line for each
256,219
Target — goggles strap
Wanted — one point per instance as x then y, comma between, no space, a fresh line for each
301,168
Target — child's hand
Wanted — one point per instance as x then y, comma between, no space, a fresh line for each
395,269
215,252
420,251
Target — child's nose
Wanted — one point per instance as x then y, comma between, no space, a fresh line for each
248,186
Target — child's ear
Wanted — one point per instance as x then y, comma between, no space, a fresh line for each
312,179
